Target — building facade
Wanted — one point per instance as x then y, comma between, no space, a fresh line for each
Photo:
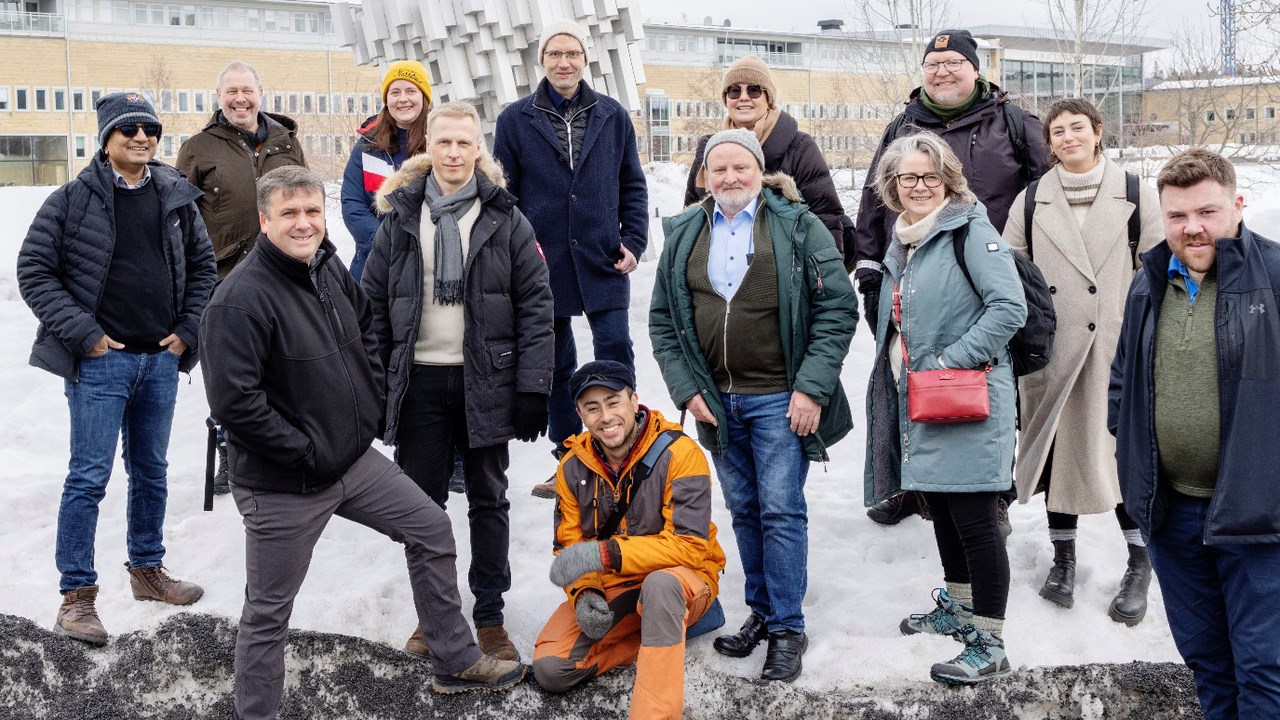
62,55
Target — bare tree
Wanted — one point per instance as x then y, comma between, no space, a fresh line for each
1095,27
904,27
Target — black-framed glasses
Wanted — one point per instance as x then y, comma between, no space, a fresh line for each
952,65
909,180
556,55
130,129
753,91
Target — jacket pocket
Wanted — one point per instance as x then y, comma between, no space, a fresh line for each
502,355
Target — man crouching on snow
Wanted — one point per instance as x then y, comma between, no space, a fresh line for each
637,551
295,378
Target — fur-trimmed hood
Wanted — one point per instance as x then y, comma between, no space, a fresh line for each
418,165
783,183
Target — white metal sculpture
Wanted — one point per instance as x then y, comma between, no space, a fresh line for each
486,51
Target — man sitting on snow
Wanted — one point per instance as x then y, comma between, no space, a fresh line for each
637,551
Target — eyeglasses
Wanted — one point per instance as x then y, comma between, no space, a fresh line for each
753,91
909,180
555,55
130,129
951,65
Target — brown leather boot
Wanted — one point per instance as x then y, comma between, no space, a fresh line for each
417,646
154,583
494,642
77,617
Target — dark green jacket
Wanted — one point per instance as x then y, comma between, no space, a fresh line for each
817,312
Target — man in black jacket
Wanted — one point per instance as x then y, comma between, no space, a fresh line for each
294,374
117,267
468,351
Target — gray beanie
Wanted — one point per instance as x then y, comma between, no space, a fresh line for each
562,27
122,108
738,136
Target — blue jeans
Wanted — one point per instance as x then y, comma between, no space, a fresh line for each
611,339
1221,604
762,474
126,396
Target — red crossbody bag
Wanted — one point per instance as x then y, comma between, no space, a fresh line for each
942,396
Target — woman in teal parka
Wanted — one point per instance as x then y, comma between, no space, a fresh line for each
960,468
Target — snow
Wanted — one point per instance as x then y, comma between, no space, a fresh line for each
863,577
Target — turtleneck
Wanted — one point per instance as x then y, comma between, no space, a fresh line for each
1080,189
910,234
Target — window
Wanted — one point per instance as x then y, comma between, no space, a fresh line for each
1250,114
94,96
42,99
21,99
351,104
1269,112
1229,114
309,104
293,103
268,20
82,146
4,97
77,99
254,19
184,101
198,101
364,104
277,102
157,14
166,101
237,19
59,99
322,104
1210,116
167,145
139,13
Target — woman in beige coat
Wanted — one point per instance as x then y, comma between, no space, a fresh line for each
1080,241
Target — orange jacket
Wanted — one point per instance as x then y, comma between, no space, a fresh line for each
668,523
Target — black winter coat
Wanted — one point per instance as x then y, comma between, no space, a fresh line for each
292,370
789,151
63,264
508,343
1245,508
980,138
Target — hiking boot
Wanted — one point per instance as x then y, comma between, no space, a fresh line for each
1130,604
417,646
545,490
1002,519
899,507
155,583
458,480
494,642
981,660
222,480
78,618
1060,586
948,618
486,674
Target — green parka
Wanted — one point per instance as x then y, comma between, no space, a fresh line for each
817,313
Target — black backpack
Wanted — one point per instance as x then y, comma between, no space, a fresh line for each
1135,220
1031,347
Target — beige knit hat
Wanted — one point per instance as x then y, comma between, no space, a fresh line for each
750,70
562,27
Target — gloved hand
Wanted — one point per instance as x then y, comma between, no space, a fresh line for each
531,416
594,616
577,560
870,288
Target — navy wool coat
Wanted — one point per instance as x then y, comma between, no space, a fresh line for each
582,213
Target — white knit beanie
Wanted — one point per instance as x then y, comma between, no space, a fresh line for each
562,26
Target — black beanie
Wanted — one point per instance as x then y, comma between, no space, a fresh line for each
959,40
122,108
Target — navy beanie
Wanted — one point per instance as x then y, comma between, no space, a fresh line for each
959,40
122,108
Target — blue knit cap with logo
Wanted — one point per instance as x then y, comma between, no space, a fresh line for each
122,108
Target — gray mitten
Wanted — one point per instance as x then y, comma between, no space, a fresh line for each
594,616
575,561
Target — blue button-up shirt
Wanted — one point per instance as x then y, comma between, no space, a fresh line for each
1178,268
732,249
560,102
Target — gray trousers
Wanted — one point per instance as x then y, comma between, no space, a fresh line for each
281,529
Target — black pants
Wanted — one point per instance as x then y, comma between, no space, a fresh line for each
971,547
433,426
1067,521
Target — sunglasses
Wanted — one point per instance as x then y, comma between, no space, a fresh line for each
753,91
130,129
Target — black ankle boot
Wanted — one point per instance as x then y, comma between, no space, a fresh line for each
1130,604
1060,587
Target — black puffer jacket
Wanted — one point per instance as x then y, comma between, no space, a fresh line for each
794,153
292,370
508,344
63,264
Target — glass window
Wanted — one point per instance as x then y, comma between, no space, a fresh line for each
322,103
21,99
237,19
121,11
268,20
1210,116
166,101
308,104
277,102
175,14
59,99
42,99
157,14
94,96
139,13
328,24
1269,112
184,101
351,104
313,22
168,145
293,103
364,104
198,101
254,19
1250,114
4,97
1229,114
82,146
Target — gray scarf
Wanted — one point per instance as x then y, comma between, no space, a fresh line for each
445,211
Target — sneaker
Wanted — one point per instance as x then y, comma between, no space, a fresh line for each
78,618
417,645
948,618
898,508
486,674
155,583
493,641
981,660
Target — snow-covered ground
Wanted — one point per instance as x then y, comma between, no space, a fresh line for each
863,577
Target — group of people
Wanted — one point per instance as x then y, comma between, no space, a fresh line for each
450,335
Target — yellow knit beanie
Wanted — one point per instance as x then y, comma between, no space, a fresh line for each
410,70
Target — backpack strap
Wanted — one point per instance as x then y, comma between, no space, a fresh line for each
1029,214
1017,129
1135,220
632,481
958,238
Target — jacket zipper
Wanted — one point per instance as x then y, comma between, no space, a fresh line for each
728,307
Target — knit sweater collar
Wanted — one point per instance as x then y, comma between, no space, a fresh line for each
1081,188
912,234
